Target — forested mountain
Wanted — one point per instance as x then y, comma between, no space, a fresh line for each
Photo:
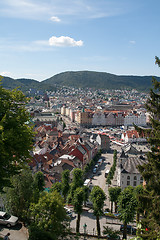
100,80
25,84
82,79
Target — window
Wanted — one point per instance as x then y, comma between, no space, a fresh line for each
141,180
128,183
135,178
128,177
135,183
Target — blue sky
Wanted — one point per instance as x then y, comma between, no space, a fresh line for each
40,38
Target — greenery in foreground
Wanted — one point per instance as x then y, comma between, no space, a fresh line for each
16,134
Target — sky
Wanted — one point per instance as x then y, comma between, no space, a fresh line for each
41,38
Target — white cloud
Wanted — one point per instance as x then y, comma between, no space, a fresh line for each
132,42
55,19
64,42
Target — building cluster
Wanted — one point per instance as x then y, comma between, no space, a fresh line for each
56,150
93,120
98,117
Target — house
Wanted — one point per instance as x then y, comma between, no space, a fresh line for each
127,171
132,136
133,148
103,141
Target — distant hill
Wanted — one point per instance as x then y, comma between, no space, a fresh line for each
100,80
82,79
25,84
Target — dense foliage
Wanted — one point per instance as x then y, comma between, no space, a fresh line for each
83,79
127,204
49,214
98,197
151,169
16,135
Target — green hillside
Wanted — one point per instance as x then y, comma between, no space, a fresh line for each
25,84
100,80
82,79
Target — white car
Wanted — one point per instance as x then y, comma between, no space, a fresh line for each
7,219
68,211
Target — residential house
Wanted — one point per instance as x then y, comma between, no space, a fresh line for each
127,171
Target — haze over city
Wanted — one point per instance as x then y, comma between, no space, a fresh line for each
42,38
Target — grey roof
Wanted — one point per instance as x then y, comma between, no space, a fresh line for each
123,155
130,165
81,149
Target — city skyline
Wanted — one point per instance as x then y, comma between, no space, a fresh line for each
40,39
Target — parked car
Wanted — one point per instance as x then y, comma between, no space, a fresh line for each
68,211
94,170
130,229
7,219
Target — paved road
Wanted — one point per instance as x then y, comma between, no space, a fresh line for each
19,232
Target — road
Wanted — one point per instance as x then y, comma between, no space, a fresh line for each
100,180
19,232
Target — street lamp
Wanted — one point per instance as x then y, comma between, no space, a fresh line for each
85,226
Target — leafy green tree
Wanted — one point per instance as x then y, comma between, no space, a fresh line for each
49,214
20,195
65,183
57,186
97,196
16,134
77,181
127,204
38,185
78,205
139,191
110,232
85,194
114,193
36,233
151,169
39,181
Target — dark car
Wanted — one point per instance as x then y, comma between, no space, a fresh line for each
130,229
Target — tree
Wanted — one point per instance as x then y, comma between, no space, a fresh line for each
38,185
49,214
39,181
57,186
20,195
139,191
97,196
65,183
151,169
114,193
85,194
16,135
78,204
77,181
126,207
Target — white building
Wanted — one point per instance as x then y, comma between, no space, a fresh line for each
138,119
99,119
127,171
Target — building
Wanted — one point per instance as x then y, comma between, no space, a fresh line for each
127,171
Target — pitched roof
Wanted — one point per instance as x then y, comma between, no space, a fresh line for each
130,165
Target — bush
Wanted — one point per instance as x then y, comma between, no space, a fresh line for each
38,234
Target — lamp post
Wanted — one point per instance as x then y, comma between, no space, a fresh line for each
85,226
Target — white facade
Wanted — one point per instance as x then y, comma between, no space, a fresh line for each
63,110
127,172
128,179
99,119
138,119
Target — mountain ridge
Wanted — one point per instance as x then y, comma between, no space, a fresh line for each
82,79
